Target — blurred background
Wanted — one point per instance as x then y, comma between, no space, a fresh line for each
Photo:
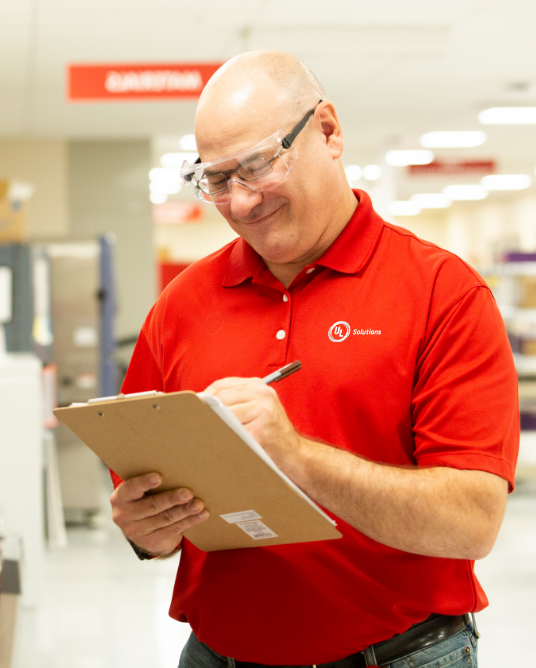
437,101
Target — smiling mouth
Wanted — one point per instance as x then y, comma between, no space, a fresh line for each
262,219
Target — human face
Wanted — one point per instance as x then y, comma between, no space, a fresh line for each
283,224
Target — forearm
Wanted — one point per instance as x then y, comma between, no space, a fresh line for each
440,512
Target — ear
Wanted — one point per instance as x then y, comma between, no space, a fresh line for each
328,121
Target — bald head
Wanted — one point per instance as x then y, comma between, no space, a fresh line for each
251,96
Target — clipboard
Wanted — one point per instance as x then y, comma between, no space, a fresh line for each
195,441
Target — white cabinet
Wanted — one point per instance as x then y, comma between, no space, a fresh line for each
21,463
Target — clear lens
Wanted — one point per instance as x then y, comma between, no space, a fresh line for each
262,167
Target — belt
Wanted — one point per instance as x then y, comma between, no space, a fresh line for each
420,636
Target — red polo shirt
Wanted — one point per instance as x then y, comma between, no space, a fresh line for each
405,361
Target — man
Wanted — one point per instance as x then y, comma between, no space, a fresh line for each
402,424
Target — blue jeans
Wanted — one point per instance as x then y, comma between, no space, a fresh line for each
458,651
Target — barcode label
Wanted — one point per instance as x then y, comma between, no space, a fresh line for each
256,530
243,516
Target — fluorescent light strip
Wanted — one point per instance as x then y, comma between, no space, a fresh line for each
453,139
372,172
465,192
508,116
165,187
353,172
405,158
165,174
188,143
176,160
506,181
431,200
404,208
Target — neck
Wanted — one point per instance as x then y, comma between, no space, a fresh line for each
287,272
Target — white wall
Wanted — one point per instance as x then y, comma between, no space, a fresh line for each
109,193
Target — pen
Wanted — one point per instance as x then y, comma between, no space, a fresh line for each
283,372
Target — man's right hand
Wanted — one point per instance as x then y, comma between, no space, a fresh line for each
155,522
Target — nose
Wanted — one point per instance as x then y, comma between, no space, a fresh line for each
243,200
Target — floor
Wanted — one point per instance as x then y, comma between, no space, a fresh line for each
102,608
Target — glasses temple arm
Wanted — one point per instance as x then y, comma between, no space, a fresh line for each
189,177
287,141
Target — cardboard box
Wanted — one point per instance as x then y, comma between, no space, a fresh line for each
527,286
12,222
528,347
4,188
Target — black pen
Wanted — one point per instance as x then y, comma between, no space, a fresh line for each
283,372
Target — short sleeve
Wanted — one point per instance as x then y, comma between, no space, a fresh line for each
143,375
465,408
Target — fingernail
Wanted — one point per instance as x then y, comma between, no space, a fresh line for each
154,479
203,515
184,496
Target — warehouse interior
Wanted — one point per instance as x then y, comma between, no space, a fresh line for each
437,101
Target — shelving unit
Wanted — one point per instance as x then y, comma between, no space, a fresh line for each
514,287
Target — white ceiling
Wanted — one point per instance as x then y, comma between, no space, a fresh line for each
394,68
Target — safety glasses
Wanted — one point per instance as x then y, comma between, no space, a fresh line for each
259,167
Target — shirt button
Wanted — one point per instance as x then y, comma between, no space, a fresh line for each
310,271
280,334
285,298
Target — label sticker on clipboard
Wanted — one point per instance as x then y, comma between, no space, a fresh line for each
242,516
256,529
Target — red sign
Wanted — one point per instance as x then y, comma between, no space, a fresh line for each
177,213
447,167
136,82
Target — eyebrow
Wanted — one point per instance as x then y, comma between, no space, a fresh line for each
250,158
229,171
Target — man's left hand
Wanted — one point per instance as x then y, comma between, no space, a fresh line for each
258,408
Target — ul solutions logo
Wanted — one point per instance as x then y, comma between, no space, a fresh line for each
339,331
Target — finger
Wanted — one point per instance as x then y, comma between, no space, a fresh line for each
224,383
239,394
135,488
247,412
163,541
156,503
168,517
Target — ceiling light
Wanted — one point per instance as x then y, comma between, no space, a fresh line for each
158,198
187,143
165,174
175,160
465,192
372,172
431,200
165,187
506,181
353,172
405,158
453,139
404,208
508,116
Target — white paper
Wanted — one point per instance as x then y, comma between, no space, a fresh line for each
230,419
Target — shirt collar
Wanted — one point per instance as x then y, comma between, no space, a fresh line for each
347,254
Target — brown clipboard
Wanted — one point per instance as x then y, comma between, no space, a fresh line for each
181,437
